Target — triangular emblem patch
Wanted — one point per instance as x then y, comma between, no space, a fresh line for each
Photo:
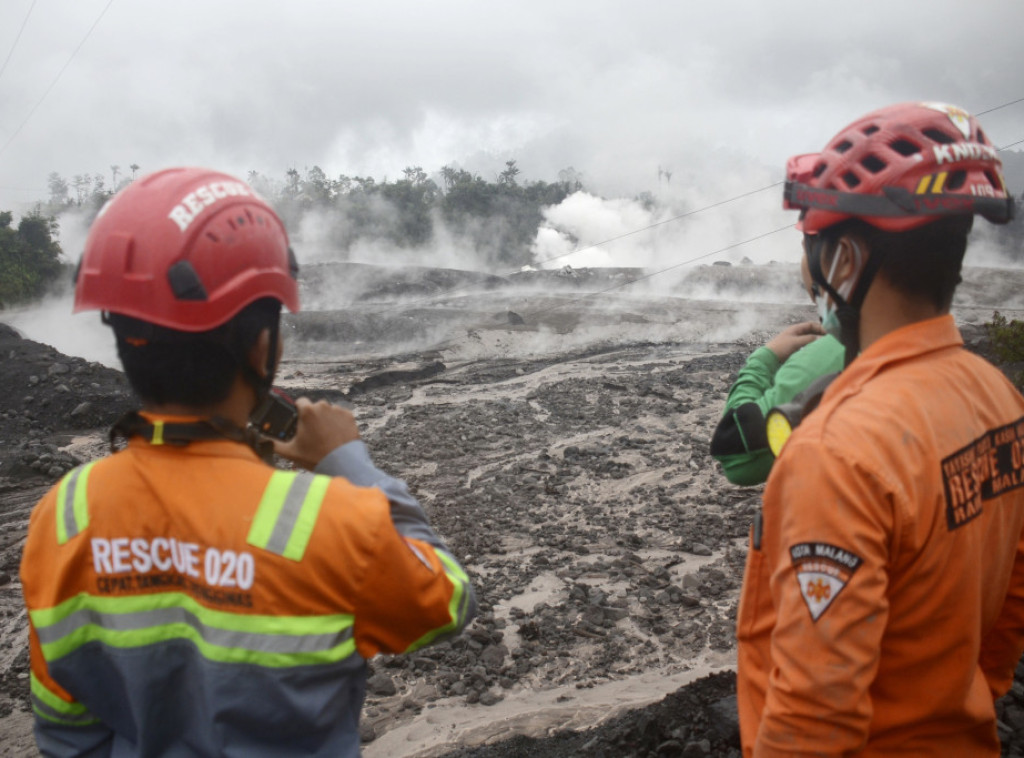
822,571
819,590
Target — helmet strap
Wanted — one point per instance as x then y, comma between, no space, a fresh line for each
847,311
179,434
262,384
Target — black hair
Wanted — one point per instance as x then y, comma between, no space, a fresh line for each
195,369
923,263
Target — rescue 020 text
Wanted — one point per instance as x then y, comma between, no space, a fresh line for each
218,568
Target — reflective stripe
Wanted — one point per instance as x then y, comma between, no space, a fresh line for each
127,622
287,513
158,433
458,606
53,708
72,507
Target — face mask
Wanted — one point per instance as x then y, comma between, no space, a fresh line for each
828,311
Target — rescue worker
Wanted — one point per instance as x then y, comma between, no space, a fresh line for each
882,610
773,375
185,597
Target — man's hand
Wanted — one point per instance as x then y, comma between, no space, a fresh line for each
794,337
322,427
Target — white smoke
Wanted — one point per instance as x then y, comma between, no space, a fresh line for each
52,323
669,233
583,221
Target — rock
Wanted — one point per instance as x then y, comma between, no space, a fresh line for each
593,614
724,721
381,684
697,749
490,698
493,657
613,613
366,731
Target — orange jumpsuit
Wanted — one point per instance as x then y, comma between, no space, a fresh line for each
882,610
191,600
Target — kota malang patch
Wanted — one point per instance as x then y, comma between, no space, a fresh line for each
822,571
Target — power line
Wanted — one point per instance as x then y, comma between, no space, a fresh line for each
1000,107
664,270
457,292
18,37
659,223
57,78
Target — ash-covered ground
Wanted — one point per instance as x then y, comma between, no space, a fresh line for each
559,442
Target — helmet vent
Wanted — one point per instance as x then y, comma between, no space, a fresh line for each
904,147
938,136
873,163
851,179
981,137
820,169
994,180
956,180
843,146
870,130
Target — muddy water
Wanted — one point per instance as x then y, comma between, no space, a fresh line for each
449,724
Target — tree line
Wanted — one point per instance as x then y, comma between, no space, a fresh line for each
30,258
497,218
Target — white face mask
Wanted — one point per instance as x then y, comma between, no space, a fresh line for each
827,310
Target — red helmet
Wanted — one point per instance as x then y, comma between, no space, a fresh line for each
899,168
187,249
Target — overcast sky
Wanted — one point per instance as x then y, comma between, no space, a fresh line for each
614,89
717,93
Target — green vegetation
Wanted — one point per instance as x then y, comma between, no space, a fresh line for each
29,257
498,219
1007,339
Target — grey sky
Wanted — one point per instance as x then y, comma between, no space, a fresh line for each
614,89
719,93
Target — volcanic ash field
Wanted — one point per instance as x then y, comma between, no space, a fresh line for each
559,442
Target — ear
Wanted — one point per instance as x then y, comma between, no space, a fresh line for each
852,254
258,353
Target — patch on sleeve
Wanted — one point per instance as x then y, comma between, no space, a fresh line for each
822,571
